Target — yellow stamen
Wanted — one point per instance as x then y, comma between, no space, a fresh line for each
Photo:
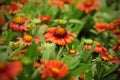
29,26
2,65
104,58
110,56
18,20
72,51
44,18
60,32
27,38
55,70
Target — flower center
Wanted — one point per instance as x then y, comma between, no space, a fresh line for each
88,2
55,70
104,58
72,51
2,65
110,57
18,20
27,38
60,32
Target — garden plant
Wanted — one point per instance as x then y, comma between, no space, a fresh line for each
59,39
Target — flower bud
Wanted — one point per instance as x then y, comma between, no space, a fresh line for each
36,21
14,45
88,41
28,27
60,21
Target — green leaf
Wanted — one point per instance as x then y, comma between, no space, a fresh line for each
67,60
3,53
75,21
41,31
9,35
110,70
78,71
8,15
53,11
32,51
74,62
111,77
89,75
48,51
89,53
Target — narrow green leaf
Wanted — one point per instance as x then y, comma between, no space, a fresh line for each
80,70
111,69
89,75
89,53
41,31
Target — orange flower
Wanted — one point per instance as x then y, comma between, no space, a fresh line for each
39,48
88,5
2,20
2,40
59,36
10,70
54,69
82,76
58,3
13,7
27,39
24,50
18,23
44,18
17,56
39,63
101,26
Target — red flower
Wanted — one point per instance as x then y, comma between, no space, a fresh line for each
68,1
101,26
116,32
117,22
39,48
88,5
2,20
18,23
117,46
54,69
44,18
110,58
10,70
23,1
59,36
58,3
13,7
98,49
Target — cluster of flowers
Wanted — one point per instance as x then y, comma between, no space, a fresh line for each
28,30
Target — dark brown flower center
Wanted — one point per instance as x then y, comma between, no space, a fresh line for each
60,32
18,20
89,2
